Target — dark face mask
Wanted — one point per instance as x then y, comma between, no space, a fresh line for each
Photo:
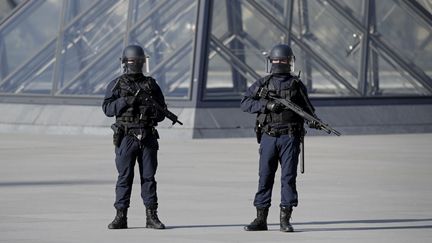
135,67
280,68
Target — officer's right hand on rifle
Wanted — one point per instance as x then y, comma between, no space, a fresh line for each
275,107
130,100
271,106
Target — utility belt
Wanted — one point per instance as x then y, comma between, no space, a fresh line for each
142,132
122,130
294,129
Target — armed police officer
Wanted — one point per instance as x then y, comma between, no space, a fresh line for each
279,132
135,135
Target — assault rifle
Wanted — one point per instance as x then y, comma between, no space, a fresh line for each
168,114
299,111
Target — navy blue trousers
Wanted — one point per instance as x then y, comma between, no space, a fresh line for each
130,151
284,149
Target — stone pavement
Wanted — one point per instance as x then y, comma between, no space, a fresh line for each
375,188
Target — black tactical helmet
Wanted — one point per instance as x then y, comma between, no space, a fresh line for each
133,59
281,52
282,59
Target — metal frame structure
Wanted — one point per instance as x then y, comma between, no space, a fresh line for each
231,48
371,44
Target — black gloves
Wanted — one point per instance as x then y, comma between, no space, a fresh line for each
274,107
130,100
271,106
314,125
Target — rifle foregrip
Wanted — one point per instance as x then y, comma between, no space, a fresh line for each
172,117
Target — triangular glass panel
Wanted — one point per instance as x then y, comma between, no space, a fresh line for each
392,79
94,77
34,75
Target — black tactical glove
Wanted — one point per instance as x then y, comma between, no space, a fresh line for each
274,107
130,100
314,125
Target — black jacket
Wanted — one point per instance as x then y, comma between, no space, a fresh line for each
287,86
115,104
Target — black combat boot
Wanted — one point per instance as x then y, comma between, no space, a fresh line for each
285,215
260,223
152,219
120,220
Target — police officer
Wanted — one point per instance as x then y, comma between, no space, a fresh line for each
135,135
279,131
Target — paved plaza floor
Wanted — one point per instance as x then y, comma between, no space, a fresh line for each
375,188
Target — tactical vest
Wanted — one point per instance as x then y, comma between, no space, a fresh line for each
287,119
141,114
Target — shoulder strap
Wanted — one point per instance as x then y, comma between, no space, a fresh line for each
125,83
117,83
267,80
149,83
261,117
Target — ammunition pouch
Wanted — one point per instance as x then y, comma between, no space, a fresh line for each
135,121
119,133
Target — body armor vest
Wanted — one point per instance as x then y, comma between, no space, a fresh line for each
142,113
287,88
